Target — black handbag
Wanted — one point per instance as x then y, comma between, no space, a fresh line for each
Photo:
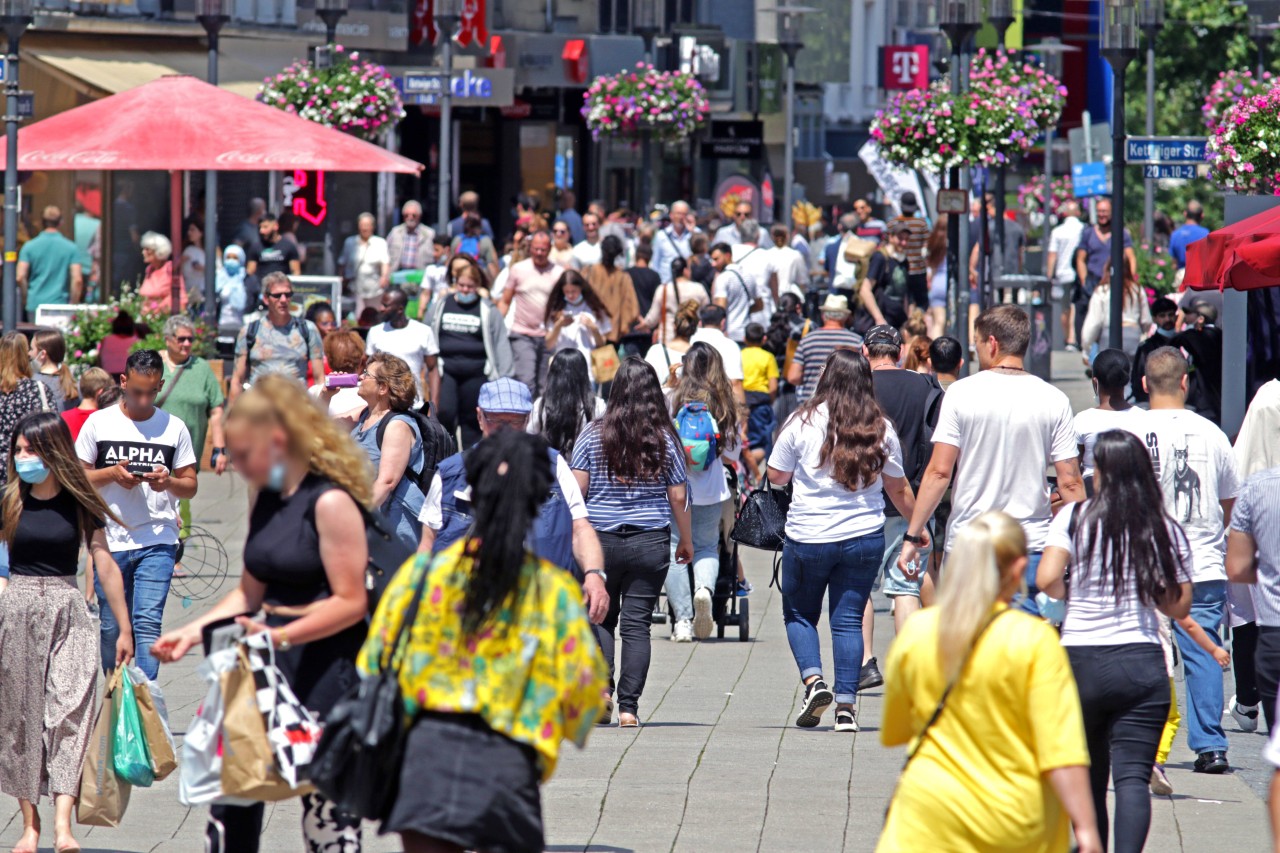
360,753
762,521
386,555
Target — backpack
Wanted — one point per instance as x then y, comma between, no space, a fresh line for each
251,334
892,295
470,246
924,438
437,445
699,435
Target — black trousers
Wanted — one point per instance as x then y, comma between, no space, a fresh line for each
1244,642
636,565
1266,665
459,396
1124,694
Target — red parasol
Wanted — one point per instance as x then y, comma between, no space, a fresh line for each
1243,256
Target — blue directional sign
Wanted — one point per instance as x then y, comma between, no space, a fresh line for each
1090,179
1163,171
1166,149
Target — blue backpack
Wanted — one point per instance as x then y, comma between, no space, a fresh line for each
699,435
470,246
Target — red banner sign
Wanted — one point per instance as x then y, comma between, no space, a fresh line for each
474,26
906,66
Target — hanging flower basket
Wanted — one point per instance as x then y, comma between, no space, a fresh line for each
1031,194
1229,89
671,105
1244,150
1007,107
352,95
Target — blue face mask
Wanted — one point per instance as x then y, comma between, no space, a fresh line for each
1166,333
575,302
275,478
232,266
31,471
466,298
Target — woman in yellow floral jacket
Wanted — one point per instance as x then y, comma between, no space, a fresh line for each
500,667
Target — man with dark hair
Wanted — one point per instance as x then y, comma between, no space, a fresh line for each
140,458
49,270
278,342
945,360
1187,233
409,340
1202,342
982,417
910,401
272,253
712,318
644,278
1164,313
1196,470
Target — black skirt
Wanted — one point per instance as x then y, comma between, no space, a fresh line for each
463,783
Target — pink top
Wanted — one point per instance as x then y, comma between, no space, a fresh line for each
530,288
113,352
156,289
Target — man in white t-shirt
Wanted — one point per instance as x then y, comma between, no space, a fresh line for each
787,263
1063,240
733,291
506,404
141,461
756,264
711,332
998,430
1197,472
409,340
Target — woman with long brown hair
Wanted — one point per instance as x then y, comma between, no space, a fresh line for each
839,451
576,318
631,469
20,393
1135,319
48,639
936,263
49,356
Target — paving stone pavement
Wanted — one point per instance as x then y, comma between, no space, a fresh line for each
718,765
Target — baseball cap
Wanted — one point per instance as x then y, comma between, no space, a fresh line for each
908,202
880,335
505,396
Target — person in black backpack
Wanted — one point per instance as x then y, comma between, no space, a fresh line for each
886,294
911,401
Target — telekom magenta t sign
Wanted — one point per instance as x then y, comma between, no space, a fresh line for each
906,66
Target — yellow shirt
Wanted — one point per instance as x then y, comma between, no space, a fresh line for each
534,673
758,367
977,783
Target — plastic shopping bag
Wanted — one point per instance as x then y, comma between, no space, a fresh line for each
103,796
129,753
200,771
155,723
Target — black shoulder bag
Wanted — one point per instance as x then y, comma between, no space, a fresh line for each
357,762
762,522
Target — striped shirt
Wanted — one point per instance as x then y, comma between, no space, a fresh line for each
812,353
915,244
612,505
1257,513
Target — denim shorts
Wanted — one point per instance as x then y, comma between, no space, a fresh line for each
760,424
895,582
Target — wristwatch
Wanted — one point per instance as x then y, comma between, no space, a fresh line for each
603,577
918,541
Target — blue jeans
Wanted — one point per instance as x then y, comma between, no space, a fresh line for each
1027,603
147,573
1204,675
4,560
706,561
845,572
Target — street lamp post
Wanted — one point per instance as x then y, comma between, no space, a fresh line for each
645,25
213,15
16,16
959,19
789,18
1119,47
448,15
1150,20
1000,14
331,11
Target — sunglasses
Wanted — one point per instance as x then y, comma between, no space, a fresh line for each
288,294
559,231
184,340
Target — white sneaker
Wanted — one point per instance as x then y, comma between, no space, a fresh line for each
702,621
1246,716
683,632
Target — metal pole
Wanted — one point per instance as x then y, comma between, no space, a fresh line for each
1047,201
1115,338
211,210
789,149
446,134
1149,186
646,140
960,83
11,186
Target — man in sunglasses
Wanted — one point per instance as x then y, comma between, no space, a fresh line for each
728,232
278,342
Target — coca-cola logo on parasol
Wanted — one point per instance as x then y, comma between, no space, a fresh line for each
248,158
80,158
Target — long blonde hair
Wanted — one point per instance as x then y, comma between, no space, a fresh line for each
971,583
55,346
329,450
15,361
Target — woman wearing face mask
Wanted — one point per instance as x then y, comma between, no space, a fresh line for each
232,296
474,349
304,561
576,318
48,639
48,358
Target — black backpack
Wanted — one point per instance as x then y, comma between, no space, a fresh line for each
924,441
437,445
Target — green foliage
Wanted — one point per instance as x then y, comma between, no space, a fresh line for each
92,325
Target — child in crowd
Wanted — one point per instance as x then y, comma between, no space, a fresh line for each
93,383
760,382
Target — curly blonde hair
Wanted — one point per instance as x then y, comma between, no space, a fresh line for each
330,451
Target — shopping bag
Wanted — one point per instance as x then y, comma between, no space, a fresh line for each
129,755
605,363
292,730
200,771
155,722
248,765
103,795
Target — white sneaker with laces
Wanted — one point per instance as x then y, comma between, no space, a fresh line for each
702,621
683,632
1246,716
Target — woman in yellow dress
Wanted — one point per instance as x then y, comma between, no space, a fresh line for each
999,761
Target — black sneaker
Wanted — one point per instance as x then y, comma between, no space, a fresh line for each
817,697
1213,763
870,676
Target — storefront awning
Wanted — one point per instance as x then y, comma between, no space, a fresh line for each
96,73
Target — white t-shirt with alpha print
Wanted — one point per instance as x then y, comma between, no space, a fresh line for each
110,437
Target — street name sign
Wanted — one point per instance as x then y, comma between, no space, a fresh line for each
1174,150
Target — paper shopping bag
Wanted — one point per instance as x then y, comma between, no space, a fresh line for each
248,767
159,740
103,795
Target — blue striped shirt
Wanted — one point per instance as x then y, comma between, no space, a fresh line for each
611,504
1257,513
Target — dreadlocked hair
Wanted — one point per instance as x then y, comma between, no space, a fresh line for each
510,477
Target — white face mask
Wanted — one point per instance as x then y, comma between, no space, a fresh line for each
575,302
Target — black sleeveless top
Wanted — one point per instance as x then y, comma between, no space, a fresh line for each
283,552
